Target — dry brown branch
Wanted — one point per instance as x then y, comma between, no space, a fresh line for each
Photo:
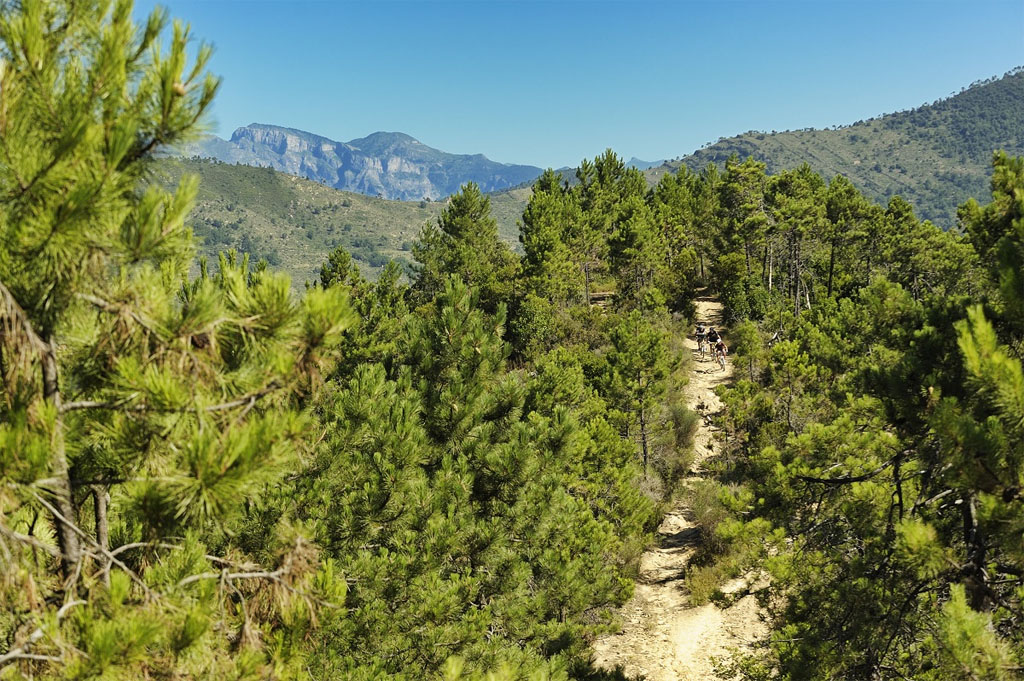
17,321
20,346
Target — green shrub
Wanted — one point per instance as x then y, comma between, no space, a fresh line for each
705,502
703,583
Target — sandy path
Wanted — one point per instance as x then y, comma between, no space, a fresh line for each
663,638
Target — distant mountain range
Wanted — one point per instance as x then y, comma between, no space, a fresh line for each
391,165
936,156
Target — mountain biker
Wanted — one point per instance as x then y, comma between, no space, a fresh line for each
713,336
702,337
720,351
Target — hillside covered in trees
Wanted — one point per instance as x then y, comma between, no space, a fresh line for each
294,223
213,475
935,156
207,473
872,445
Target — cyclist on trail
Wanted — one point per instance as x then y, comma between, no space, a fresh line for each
713,336
720,351
702,337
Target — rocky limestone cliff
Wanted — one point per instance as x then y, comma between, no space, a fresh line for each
389,164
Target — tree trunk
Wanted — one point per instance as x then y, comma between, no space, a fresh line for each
789,269
791,266
898,482
764,263
975,577
586,281
796,270
831,267
101,499
771,264
68,540
643,437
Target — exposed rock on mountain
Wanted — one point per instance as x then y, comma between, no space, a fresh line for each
388,164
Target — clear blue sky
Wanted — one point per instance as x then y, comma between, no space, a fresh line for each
550,83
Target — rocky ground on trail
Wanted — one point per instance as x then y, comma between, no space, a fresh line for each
663,637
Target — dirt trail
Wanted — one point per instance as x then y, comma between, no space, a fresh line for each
663,638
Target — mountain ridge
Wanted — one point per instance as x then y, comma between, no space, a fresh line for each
297,223
936,155
392,165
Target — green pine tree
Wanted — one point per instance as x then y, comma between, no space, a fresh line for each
140,411
465,242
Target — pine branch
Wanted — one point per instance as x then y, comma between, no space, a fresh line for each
43,658
111,307
230,576
25,188
931,500
165,545
26,539
97,404
274,576
1010,569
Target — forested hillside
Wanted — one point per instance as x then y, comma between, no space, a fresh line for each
294,223
870,475
207,472
936,156
214,475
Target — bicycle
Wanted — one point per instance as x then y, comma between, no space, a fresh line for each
721,359
702,345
